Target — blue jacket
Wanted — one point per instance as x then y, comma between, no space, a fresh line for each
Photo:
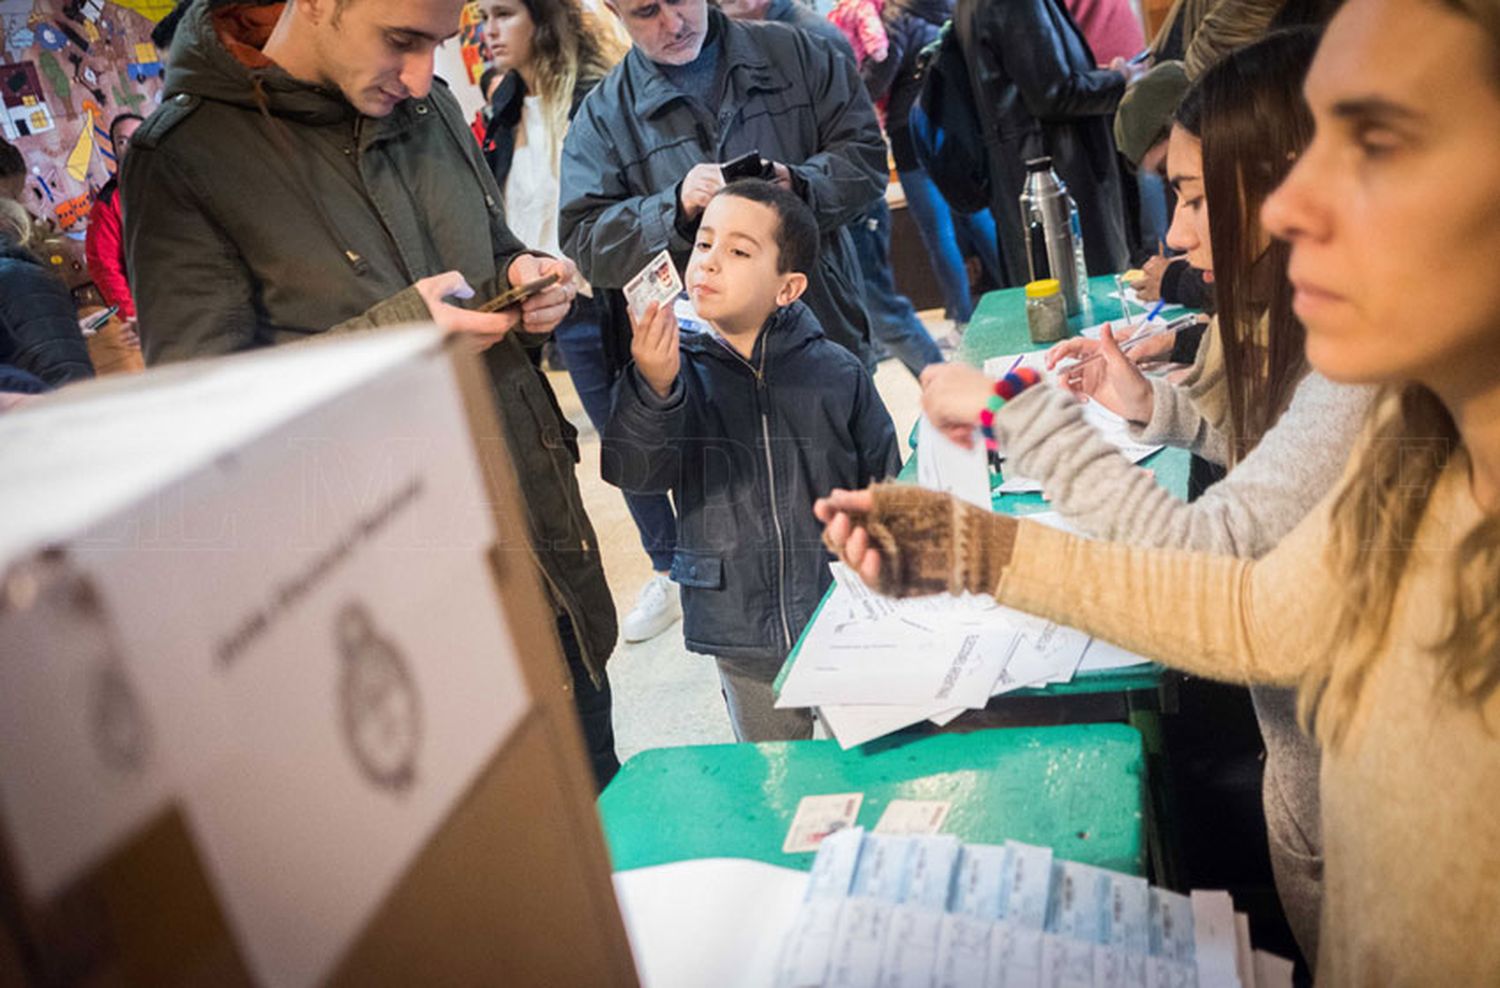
744,447
39,330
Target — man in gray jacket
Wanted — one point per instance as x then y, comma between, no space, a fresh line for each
641,159
305,175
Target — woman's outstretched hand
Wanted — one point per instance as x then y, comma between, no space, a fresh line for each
907,541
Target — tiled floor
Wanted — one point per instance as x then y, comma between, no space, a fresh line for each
664,694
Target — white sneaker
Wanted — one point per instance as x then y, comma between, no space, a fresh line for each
657,607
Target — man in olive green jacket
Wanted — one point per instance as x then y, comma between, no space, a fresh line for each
307,175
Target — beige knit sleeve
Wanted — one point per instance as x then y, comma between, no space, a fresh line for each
1214,616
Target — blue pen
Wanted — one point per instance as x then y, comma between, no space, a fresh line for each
1155,311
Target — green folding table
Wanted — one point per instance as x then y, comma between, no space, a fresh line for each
1077,789
1136,694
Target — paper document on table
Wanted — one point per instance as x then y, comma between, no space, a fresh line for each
873,665
893,662
854,725
949,468
706,922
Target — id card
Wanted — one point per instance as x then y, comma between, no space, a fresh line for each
819,816
657,282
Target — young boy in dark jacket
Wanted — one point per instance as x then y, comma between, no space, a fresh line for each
745,426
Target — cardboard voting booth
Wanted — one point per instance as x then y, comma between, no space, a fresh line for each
281,699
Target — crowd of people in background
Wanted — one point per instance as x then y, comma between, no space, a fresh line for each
1331,198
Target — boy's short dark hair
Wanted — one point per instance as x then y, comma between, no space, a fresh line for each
797,232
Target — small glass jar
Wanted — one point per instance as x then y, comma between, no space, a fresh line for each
1046,311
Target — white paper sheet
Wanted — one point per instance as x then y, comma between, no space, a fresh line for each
713,921
949,468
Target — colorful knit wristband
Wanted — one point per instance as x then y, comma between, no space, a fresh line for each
1006,388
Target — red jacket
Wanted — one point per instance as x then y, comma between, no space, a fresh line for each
105,246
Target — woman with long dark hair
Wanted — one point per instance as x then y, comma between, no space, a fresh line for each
1383,605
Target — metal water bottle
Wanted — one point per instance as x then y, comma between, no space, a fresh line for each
1054,238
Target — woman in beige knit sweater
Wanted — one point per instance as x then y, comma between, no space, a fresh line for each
1383,606
1234,139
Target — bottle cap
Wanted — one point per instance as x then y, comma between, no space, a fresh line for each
1041,164
1043,288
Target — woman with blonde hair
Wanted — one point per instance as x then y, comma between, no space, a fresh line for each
1383,605
553,52
39,331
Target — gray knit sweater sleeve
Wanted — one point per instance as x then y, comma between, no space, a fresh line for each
1190,414
1266,494
1177,420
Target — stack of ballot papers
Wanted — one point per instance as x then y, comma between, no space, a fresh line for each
872,665
931,912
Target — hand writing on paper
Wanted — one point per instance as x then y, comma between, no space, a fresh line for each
1103,374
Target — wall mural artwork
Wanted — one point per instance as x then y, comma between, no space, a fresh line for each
67,68
471,40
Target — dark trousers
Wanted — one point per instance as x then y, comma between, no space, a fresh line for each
580,340
595,708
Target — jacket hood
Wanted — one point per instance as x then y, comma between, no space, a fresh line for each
201,64
788,330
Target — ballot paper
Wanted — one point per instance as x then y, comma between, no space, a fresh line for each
708,922
657,282
872,665
949,468
1013,917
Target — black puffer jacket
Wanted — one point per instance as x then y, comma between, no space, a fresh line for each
911,25
38,323
1040,93
745,447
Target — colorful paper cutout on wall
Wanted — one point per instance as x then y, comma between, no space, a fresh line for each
26,111
82,154
152,10
72,211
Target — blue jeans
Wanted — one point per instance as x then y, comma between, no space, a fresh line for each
945,233
578,339
892,317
